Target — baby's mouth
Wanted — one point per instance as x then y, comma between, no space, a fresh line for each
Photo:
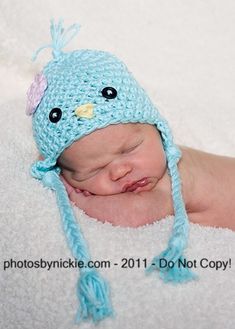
133,186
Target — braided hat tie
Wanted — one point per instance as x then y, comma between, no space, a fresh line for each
75,94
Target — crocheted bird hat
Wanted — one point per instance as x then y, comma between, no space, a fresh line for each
75,94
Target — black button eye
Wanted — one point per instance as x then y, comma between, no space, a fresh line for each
109,92
55,115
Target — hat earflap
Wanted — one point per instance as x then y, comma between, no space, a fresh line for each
175,270
92,290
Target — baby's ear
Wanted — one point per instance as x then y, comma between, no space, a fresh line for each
40,157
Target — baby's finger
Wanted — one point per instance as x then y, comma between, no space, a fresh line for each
79,199
87,193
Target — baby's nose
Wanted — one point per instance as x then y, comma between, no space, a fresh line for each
85,111
119,171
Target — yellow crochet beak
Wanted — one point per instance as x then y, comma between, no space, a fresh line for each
85,111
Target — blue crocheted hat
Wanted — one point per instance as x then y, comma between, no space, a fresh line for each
75,94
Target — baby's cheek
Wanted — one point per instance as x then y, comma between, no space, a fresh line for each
94,186
101,185
68,175
98,185
159,164
84,187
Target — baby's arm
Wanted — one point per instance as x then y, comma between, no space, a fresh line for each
124,209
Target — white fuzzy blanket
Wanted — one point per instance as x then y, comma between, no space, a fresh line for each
183,54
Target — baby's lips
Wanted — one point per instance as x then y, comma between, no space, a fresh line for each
132,187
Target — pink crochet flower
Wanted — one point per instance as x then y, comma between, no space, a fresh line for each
35,93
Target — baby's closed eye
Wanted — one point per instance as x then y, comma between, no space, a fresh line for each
82,177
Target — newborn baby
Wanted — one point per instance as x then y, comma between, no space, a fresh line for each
118,174
101,136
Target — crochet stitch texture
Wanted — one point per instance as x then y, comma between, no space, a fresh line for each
78,78
75,94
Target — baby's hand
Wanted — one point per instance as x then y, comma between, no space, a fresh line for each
73,191
82,199
123,209
70,189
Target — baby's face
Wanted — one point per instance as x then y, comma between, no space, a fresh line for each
111,160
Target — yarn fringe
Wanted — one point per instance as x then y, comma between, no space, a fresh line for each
93,294
60,38
171,269
92,290
174,268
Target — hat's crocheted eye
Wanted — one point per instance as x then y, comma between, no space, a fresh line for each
109,92
55,115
